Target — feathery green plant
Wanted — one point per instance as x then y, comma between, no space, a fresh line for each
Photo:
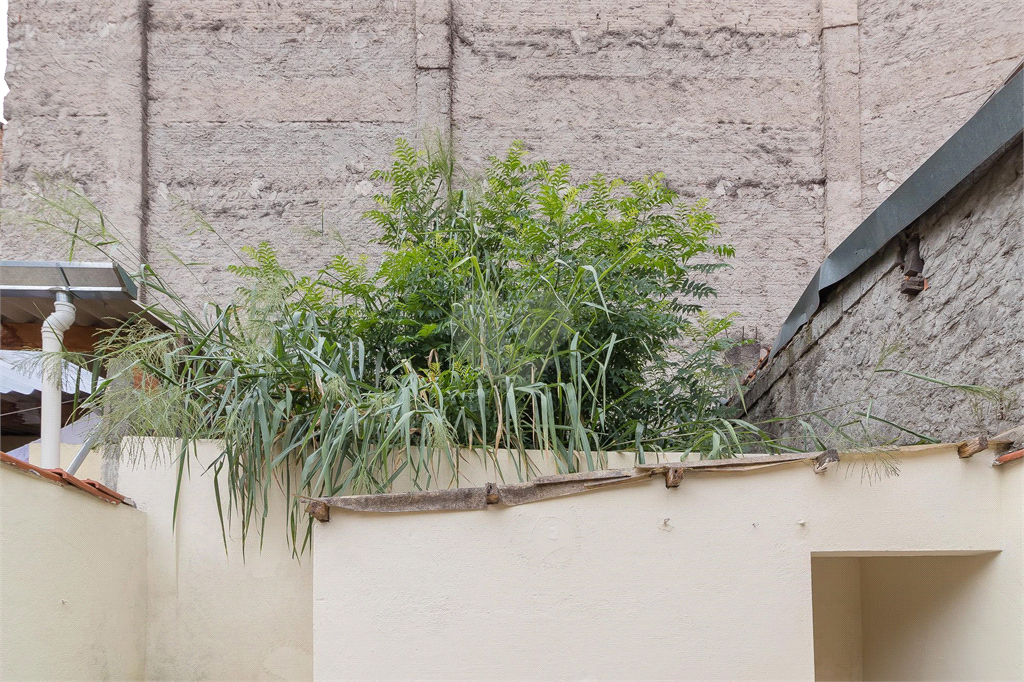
523,312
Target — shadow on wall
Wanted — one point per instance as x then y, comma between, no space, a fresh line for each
901,617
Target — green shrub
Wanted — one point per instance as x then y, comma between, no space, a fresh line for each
523,311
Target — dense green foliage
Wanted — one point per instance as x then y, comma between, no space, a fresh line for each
524,312
517,286
520,311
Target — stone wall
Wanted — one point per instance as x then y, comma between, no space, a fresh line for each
794,118
964,328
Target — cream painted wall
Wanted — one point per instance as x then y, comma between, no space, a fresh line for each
915,617
948,618
838,648
90,468
708,581
712,580
73,584
921,614
214,616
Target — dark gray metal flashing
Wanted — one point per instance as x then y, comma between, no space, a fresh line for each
991,131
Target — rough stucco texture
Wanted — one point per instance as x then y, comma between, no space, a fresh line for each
74,111
965,328
268,121
268,118
925,68
725,101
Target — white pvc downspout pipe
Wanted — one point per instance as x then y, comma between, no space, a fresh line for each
54,326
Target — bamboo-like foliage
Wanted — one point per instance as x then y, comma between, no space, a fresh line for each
521,312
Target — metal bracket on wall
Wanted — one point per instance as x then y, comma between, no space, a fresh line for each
913,268
996,126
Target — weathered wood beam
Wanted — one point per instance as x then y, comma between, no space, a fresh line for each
27,336
969,448
561,485
319,510
1007,446
731,462
429,500
1010,436
515,494
641,476
825,460
544,488
583,476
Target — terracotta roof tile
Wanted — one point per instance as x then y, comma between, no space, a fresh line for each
94,488
104,489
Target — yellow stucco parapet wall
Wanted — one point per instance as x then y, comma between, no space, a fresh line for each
709,580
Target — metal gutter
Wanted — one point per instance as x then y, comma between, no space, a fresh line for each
995,126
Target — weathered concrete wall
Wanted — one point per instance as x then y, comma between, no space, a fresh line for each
268,119
965,328
725,99
925,68
76,110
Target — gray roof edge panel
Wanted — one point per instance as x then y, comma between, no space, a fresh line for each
125,286
986,135
808,301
